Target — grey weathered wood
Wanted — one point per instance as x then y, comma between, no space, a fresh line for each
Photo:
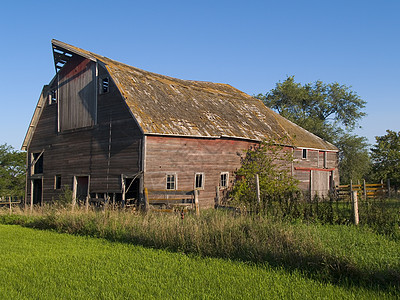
196,202
170,192
355,207
257,179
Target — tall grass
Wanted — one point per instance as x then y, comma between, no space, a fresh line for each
46,265
315,250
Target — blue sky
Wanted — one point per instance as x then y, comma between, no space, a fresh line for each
250,45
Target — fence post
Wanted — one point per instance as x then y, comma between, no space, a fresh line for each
365,190
351,187
355,207
388,188
258,190
218,201
146,200
87,203
9,201
196,202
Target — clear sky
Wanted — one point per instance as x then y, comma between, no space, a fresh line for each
250,45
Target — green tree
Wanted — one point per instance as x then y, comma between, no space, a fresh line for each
386,157
12,171
354,160
273,168
330,111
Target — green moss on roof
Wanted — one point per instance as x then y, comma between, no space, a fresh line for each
171,106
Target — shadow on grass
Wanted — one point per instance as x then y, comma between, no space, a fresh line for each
313,262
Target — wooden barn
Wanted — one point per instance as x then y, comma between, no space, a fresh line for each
112,131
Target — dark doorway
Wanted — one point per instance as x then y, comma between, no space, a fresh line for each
37,191
132,191
81,188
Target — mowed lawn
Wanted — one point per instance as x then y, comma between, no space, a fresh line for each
47,265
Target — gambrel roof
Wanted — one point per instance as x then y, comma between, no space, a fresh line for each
164,105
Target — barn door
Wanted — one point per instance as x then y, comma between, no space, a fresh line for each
37,191
130,190
320,183
81,189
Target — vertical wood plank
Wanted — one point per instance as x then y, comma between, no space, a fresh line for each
355,207
196,202
258,190
217,197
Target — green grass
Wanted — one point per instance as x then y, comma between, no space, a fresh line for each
47,265
343,255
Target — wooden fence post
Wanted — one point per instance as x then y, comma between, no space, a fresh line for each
218,201
9,201
258,190
87,203
351,187
365,190
146,200
355,207
196,202
388,188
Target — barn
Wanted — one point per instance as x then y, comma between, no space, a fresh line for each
112,131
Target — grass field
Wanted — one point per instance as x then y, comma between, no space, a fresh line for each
47,265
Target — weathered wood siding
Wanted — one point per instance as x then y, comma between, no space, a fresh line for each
88,151
316,170
187,156
77,94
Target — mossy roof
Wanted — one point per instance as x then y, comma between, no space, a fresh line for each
169,106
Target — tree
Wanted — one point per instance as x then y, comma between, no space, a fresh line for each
386,158
272,164
330,111
12,171
354,160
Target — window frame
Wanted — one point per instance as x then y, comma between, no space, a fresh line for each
304,153
53,97
175,181
57,182
226,174
38,165
201,187
104,89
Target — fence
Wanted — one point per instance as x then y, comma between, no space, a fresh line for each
172,200
11,201
364,191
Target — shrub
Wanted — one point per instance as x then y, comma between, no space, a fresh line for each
271,162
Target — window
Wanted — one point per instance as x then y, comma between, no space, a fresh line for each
57,182
199,181
105,85
37,163
304,154
53,97
223,183
171,182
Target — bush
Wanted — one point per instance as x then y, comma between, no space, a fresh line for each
271,162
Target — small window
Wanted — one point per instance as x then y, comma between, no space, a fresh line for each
105,85
199,181
37,163
57,182
53,97
224,180
304,153
171,182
